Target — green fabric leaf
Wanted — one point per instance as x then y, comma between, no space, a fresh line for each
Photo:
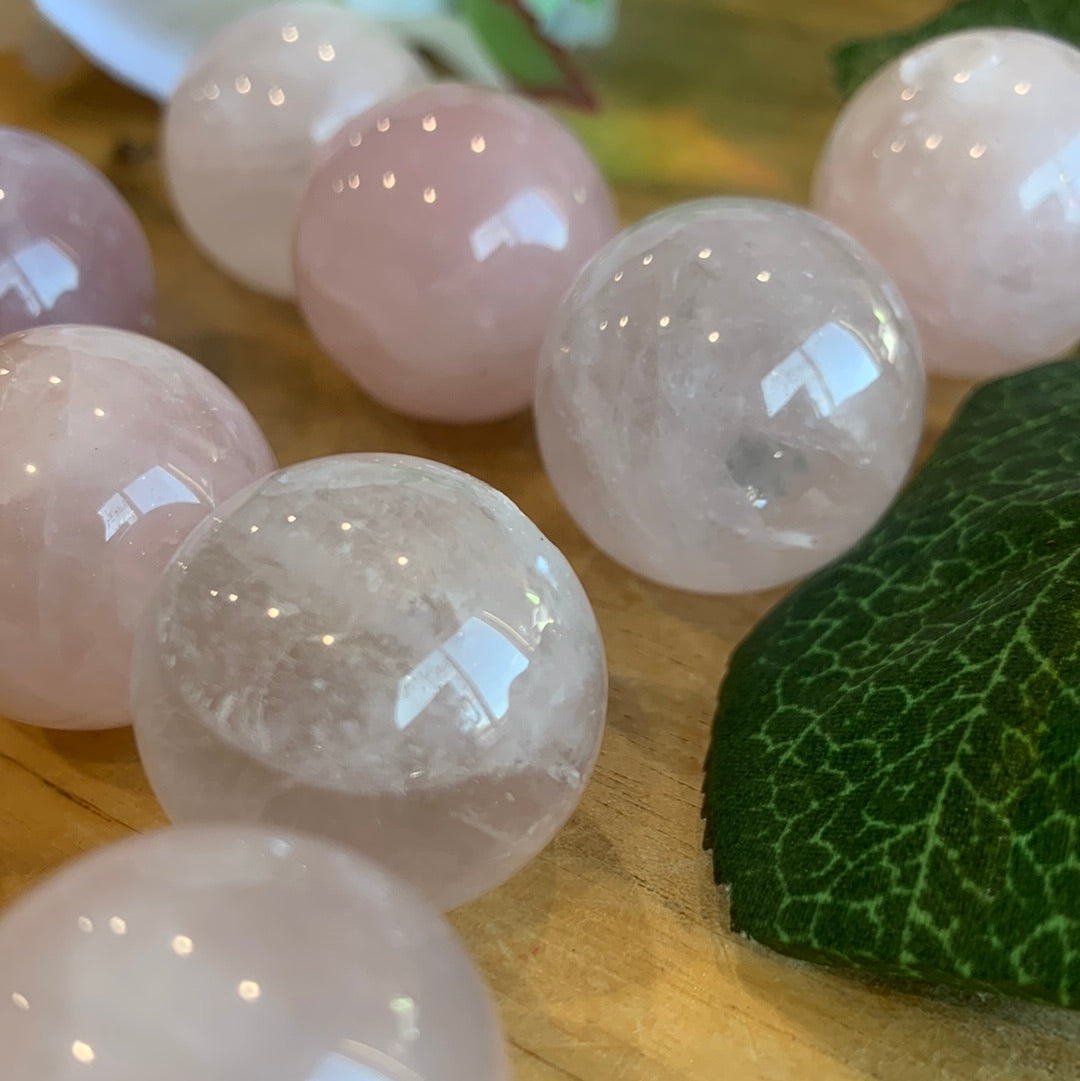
511,33
894,778
856,61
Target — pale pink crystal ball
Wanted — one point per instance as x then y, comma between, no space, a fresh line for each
232,953
958,167
382,650
71,250
435,241
244,128
730,395
114,447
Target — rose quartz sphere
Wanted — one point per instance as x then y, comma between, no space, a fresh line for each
731,395
243,130
382,650
233,953
71,250
434,243
958,167
113,447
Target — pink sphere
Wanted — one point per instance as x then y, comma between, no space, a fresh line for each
958,167
113,448
244,128
435,241
235,954
71,250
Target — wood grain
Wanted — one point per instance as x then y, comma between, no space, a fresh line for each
609,956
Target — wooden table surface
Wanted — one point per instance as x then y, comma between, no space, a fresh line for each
610,956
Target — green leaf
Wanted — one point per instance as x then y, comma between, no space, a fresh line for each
894,778
856,61
511,33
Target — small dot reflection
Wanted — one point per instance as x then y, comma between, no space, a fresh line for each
978,150
243,84
908,93
248,990
402,561
82,1052
429,123
346,526
934,141
30,467
118,925
388,180
182,946
764,276
478,144
276,96
326,52
383,124
328,639
1022,89
21,1002
290,34
273,613
85,924
430,195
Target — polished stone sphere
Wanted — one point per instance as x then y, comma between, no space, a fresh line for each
231,952
958,167
435,241
382,650
114,447
244,128
730,395
71,249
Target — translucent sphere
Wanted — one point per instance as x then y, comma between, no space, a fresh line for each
71,250
958,167
112,448
379,649
225,953
244,127
730,395
435,240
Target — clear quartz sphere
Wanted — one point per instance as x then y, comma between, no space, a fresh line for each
382,650
234,952
730,395
958,167
245,126
113,447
